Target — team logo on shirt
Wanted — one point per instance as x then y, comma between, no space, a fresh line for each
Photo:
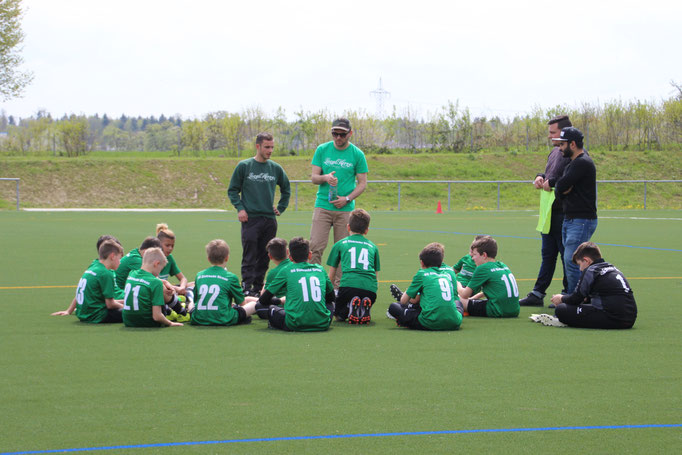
262,177
340,162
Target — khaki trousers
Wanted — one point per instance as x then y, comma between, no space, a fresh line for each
323,221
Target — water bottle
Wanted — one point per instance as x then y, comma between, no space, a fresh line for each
333,193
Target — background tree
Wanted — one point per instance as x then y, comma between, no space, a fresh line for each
12,80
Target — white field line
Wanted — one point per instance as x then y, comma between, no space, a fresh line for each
124,210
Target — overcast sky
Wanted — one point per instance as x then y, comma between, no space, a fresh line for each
148,57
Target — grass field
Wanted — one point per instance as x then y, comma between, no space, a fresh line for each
353,389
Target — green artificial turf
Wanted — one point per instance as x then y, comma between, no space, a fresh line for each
70,385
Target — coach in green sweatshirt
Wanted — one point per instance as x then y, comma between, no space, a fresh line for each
252,192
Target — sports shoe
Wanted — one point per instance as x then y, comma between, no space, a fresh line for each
534,317
172,316
389,315
531,300
355,315
182,318
366,306
396,292
551,305
551,321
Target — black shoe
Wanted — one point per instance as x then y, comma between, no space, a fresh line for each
531,300
551,305
366,307
396,292
355,316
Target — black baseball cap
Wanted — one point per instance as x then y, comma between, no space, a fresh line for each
341,124
569,134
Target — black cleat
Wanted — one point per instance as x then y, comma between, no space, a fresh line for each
355,316
531,300
396,292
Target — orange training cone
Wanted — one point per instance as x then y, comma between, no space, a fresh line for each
439,209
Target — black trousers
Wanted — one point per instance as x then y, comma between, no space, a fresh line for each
256,233
406,315
588,317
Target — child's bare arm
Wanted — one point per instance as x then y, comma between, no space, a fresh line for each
113,304
68,311
158,316
332,273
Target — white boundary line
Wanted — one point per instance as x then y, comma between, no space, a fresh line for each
124,210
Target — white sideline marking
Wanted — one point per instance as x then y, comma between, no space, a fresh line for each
124,210
637,218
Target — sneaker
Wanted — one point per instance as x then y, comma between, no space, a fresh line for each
551,306
182,318
355,315
534,317
389,315
551,321
531,300
172,316
396,292
366,306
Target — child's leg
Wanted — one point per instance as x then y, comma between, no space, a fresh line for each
276,318
587,317
475,307
250,306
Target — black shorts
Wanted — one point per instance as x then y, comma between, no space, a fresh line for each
242,318
477,307
346,294
277,318
113,317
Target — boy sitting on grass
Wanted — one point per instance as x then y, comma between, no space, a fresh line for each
359,259
95,295
308,290
602,299
277,252
429,302
496,281
217,288
143,306
465,267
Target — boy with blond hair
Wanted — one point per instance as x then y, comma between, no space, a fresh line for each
217,288
143,304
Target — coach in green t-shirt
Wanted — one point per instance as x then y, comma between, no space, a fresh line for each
336,166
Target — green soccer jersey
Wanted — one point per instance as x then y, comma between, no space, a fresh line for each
438,294
129,262
96,285
359,259
119,293
171,268
305,286
216,289
499,285
347,164
142,292
273,273
466,267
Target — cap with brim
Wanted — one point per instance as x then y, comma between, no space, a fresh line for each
569,134
341,124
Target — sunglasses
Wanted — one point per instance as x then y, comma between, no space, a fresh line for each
341,135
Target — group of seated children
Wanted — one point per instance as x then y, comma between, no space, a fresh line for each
299,295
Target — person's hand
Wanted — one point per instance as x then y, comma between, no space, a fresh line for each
333,181
276,212
340,202
556,299
175,324
546,187
60,313
538,182
242,216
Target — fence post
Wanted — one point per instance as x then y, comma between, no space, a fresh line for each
449,184
498,195
398,196
644,195
17,195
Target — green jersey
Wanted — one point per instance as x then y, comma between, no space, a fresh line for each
359,260
216,289
119,293
499,285
305,286
171,268
252,187
142,292
466,267
438,290
96,285
129,262
272,274
347,164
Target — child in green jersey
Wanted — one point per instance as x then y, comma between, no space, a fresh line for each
143,305
175,309
277,252
359,262
309,293
429,303
465,267
496,281
95,295
217,289
133,260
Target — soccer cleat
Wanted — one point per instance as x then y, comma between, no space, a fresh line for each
531,300
183,318
551,321
172,316
389,315
396,292
366,306
534,317
355,311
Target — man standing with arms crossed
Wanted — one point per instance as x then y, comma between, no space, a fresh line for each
552,244
252,192
577,190
335,167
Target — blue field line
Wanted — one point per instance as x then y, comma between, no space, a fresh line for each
345,436
481,233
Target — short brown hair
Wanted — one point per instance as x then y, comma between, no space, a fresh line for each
359,221
432,255
109,246
299,248
104,238
562,121
586,250
264,137
150,242
217,251
486,245
277,248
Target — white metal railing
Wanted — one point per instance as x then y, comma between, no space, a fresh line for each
16,180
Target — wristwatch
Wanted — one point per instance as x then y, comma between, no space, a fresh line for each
348,199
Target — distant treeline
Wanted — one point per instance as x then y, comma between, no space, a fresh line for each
615,125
